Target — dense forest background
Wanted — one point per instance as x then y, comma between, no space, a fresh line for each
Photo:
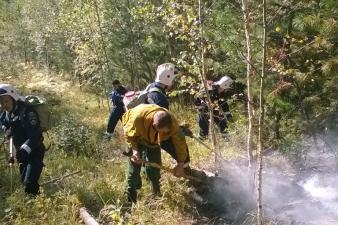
69,51
96,41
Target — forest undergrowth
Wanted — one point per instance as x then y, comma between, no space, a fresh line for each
77,146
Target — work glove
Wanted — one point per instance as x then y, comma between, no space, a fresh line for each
186,131
136,157
22,155
179,170
128,152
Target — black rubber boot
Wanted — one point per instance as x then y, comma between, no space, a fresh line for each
132,196
127,207
156,189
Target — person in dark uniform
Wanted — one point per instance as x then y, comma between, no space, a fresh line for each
21,123
165,75
118,107
219,94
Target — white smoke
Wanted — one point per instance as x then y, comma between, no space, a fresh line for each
293,192
321,191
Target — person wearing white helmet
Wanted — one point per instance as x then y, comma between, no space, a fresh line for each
219,94
165,75
21,123
223,84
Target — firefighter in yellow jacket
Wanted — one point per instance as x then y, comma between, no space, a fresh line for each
147,129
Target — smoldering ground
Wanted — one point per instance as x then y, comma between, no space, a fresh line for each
301,191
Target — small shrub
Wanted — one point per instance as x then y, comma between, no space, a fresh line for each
61,208
74,138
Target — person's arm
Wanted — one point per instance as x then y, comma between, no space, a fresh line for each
131,136
130,133
4,123
178,139
115,98
174,143
158,99
225,108
131,142
179,142
133,147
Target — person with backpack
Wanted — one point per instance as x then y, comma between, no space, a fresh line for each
165,75
146,128
118,107
219,92
154,93
21,123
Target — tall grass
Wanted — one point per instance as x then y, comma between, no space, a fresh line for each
101,183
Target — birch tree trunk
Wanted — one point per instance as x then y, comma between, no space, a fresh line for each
260,218
249,76
205,85
105,55
133,51
103,45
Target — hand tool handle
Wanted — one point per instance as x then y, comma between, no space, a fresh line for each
11,150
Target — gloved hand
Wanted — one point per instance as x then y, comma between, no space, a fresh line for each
10,160
22,155
128,152
136,157
179,170
186,131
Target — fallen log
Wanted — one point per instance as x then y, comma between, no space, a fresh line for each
87,218
60,178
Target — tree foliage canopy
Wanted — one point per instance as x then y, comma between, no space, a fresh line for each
98,40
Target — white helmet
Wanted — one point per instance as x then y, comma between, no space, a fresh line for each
224,83
7,89
166,73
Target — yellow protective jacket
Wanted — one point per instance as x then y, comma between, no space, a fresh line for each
138,129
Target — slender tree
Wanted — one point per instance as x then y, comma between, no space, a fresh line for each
133,71
205,84
249,77
103,45
260,218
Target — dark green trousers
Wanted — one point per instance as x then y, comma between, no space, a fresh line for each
134,182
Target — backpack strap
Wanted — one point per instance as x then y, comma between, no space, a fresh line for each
155,89
22,113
